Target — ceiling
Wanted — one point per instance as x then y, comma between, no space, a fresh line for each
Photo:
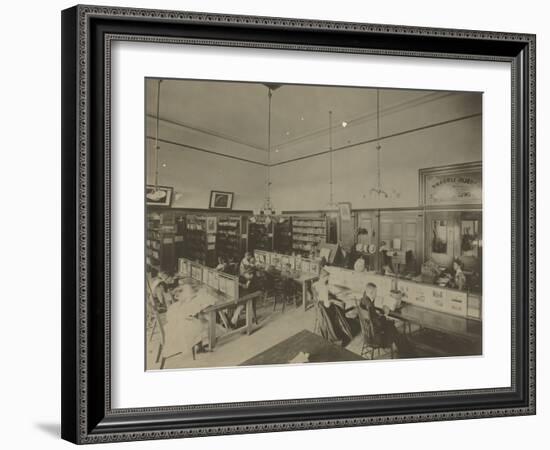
232,117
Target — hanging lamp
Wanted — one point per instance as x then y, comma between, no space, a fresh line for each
331,206
267,208
378,191
157,194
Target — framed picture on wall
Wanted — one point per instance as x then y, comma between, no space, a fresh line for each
221,200
289,109
158,195
345,211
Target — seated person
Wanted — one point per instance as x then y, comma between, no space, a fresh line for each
287,280
246,264
342,257
359,265
222,264
160,285
250,281
185,326
332,322
385,332
459,279
386,268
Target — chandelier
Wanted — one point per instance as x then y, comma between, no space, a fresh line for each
154,193
331,205
267,207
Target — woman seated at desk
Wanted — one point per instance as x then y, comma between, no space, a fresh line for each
332,322
222,264
385,332
250,281
159,284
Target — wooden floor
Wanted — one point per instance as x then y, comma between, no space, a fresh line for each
277,326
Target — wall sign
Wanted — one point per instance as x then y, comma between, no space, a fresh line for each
459,184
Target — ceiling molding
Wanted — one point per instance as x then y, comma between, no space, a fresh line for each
209,132
361,119
369,141
204,150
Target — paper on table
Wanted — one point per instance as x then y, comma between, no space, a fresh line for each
300,358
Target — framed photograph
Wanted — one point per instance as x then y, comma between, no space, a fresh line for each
221,200
158,195
345,211
429,133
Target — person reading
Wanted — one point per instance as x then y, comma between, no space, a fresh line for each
384,328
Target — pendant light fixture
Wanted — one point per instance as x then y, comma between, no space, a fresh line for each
156,194
268,209
331,206
378,191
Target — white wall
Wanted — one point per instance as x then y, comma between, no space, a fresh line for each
304,184
30,387
193,174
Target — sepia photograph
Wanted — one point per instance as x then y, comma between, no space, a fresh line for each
299,224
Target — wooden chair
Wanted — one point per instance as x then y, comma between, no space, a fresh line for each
283,290
371,341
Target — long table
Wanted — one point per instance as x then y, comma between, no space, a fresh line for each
319,349
462,327
224,304
304,279
427,318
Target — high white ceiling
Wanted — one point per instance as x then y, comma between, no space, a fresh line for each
232,117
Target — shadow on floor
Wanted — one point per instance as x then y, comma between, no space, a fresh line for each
53,429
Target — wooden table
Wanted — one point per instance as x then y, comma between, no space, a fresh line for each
319,349
305,280
462,327
226,303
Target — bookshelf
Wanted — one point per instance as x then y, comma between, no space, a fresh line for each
308,233
260,233
229,243
160,251
282,235
196,243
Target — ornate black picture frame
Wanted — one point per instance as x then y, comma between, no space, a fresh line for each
87,35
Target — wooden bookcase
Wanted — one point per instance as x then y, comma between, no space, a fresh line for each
307,233
195,244
229,241
282,235
260,233
160,250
